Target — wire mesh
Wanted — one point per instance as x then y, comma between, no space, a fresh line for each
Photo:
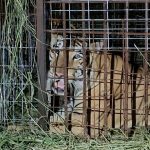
17,63
119,25
120,32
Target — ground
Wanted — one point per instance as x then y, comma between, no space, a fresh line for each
40,140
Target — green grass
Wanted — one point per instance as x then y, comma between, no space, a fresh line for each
37,140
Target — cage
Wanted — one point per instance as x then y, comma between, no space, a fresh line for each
92,60
98,60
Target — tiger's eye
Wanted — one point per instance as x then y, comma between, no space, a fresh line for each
77,56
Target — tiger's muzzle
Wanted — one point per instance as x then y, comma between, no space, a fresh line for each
58,85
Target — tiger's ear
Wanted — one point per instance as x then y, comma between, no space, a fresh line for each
85,44
92,46
99,46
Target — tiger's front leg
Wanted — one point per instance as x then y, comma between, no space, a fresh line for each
57,119
57,122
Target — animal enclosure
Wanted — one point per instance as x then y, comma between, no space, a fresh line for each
89,59
99,49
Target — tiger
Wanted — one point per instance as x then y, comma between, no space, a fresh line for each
105,95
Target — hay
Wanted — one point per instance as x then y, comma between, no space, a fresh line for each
36,140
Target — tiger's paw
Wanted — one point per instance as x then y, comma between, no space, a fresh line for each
56,124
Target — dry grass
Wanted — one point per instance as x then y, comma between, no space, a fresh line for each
37,140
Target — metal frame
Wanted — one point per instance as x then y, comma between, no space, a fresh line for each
118,29
41,61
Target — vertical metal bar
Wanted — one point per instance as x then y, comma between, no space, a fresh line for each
2,118
65,65
112,81
89,21
84,72
146,65
105,65
70,39
95,98
1,14
41,61
89,84
125,101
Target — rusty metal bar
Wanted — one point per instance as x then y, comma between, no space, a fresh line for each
125,53
41,60
2,109
2,6
146,66
65,67
105,66
91,52
109,19
95,32
75,1
88,69
85,123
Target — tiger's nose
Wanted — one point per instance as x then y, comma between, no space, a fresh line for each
59,81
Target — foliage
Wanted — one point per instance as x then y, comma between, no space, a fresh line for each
37,140
18,58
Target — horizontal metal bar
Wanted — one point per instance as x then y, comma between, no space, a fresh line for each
95,1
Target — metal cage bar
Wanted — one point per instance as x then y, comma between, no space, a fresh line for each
125,104
65,68
146,65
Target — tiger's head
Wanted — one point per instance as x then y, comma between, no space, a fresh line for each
57,64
